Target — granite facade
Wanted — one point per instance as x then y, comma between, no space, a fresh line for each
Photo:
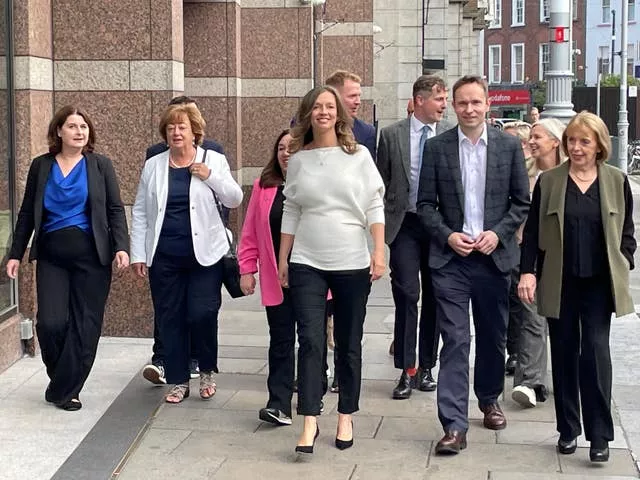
246,65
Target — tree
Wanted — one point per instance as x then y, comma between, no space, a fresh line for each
614,80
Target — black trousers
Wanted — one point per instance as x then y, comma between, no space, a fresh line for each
581,360
350,290
474,278
282,339
409,262
72,291
186,296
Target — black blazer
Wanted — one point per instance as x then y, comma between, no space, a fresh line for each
106,210
441,196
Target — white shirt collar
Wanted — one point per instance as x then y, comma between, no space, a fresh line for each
483,137
416,125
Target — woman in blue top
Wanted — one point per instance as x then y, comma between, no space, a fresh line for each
73,208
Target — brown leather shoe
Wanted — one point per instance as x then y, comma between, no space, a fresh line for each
494,419
452,442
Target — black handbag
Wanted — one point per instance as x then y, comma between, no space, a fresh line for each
230,267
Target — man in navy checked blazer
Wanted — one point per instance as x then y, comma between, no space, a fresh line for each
473,195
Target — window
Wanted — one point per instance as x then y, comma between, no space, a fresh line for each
631,16
517,12
7,286
606,11
631,55
496,10
544,11
574,8
603,60
517,63
544,60
495,63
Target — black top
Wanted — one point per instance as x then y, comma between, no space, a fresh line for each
275,219
584,205
584,248
175,236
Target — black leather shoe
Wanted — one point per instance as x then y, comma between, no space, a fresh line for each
424,380
452,442
599,454
403,388
567,447
510,366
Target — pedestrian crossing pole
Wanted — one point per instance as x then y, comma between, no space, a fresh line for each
623,118
559,77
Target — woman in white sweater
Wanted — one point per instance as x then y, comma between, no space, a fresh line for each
333,194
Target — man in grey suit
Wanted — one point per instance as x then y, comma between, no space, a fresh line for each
473,195
399,159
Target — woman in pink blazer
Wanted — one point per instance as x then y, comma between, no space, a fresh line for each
259,243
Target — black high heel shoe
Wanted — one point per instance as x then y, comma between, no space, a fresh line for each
344,444
308,449
599,454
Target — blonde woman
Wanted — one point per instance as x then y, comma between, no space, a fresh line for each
576,255
333,194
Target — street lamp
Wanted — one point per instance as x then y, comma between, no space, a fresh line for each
613,39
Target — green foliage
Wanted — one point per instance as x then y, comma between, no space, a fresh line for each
614,80
539,94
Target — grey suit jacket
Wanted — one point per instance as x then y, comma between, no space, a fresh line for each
394,164
441,197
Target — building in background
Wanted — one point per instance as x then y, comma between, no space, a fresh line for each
516,52
420,36
246,62
599,19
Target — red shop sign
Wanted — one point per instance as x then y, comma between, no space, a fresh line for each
509,97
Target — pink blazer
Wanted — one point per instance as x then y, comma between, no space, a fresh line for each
255,252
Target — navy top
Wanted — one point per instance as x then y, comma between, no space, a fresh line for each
66,199
175,236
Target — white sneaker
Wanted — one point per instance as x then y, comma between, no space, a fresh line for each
155,374
524,395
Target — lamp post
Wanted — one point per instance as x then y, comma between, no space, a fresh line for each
559,76
613,39
623,121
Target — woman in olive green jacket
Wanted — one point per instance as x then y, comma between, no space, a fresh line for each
577,251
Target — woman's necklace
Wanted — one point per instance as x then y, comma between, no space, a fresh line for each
585,180
175,165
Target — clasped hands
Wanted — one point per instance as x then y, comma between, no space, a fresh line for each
463,244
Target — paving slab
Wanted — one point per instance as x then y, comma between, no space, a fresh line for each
200,419
238,469
426,429
561,476
539,433
630,420
498,457
620,463
409,472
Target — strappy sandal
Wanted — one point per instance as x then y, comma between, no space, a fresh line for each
177,394
207,385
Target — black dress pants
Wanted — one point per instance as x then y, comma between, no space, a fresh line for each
474,278
158,348
350,290
186,296
282,339
581,360
72,289
410,273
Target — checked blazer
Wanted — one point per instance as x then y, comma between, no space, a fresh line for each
441,197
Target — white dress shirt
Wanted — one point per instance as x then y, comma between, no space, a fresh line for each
415,133
207,230
473,165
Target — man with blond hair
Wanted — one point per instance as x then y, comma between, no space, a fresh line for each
348,86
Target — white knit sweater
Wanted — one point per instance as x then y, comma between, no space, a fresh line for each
331,199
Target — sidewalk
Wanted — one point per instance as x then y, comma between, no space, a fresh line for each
125,431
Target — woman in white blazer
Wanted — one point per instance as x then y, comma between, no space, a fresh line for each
178,235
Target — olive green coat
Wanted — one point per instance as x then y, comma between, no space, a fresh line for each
553,188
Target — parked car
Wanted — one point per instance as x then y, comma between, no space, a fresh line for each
499,123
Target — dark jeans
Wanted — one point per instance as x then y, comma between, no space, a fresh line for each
581,360
282,339
410,272
158,348
186,296
474,278
72,291
350,290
